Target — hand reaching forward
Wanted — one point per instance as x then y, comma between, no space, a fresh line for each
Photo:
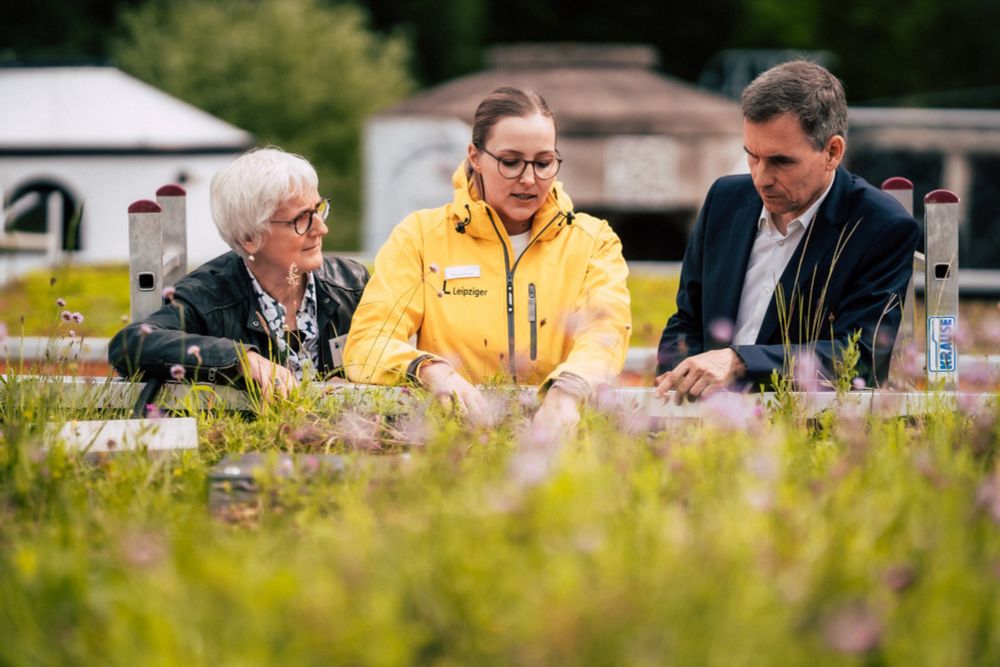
558,416
701,375
447,386
270,376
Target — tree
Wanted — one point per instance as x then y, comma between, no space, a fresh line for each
296,73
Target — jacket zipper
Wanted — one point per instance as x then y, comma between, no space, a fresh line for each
510,288
532,318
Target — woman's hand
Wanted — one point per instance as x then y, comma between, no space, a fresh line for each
441,380
270,376
558,416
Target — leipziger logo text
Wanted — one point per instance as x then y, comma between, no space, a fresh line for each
464,291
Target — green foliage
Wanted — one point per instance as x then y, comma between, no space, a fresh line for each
99,293
845,368
865,540
654,300
297,73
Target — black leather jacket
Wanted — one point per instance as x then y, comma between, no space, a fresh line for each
215,308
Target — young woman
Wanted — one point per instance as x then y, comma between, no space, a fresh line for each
506,279
274,297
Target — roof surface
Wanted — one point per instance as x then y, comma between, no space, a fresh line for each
591,89
103,109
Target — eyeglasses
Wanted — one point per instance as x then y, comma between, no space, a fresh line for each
303,222
513,167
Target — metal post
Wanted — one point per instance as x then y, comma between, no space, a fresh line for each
941,288
172,200
901,189
145,260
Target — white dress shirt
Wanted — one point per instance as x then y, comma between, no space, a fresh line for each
768,259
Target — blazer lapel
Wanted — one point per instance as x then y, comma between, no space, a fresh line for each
807,271
734,255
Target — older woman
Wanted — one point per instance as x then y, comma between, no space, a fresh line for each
272,307
506,279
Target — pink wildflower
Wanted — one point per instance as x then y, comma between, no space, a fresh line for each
432,267
807,372
168,293
194,351
66,316
721,330
177,372
71,333
852,630
145,329
858,383
77,317
153,412
732,410
61,302
440,294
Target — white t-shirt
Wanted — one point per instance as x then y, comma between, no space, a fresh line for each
519,242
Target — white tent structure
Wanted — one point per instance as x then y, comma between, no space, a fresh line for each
79,144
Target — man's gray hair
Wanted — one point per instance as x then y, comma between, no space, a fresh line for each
246,194
805,89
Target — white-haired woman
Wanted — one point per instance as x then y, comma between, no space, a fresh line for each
274,299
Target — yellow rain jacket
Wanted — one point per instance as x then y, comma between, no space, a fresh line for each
448,275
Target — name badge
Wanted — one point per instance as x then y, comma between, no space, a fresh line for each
469,271
337,350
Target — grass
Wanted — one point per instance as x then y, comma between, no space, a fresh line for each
751,540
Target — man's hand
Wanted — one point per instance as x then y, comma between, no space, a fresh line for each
441,380
271,377
701,375
557,417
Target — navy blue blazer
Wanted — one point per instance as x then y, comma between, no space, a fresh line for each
849,272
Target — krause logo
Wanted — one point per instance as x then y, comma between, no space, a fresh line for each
941,356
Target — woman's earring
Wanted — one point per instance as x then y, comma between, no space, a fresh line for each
251,257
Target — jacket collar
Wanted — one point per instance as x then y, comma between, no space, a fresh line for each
476,218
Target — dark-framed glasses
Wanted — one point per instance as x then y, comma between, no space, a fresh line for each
511,167
303,222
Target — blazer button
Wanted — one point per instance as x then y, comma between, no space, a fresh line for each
256,323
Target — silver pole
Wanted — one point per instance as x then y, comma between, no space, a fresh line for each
145,258
941,292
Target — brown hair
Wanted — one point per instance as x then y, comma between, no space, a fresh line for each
506,102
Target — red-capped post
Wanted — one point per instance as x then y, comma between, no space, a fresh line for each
145,252
173,201
941,217
901,189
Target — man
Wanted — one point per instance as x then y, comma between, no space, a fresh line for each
791,260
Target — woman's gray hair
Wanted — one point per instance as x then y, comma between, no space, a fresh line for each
805,89
246,194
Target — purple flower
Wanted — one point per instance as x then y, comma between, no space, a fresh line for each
807,372
853,629
153,412
721,330
858,383
77,317
145,329
433,267
732,410
66,316
71,333
440,294
61,302
168,293
195,352
177,372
